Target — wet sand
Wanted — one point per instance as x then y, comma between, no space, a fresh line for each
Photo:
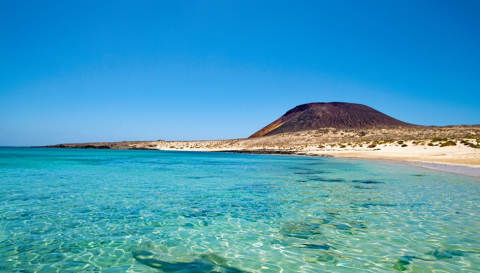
466,170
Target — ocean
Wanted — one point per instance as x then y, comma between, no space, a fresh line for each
65,210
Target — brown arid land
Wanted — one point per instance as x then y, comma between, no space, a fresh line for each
437,146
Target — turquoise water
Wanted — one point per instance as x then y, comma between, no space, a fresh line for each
155,211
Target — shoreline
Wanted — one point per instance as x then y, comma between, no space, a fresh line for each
451,148
458,168
451,168
464,169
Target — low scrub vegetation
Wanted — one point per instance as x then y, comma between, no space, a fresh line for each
438,139
470,144
448,143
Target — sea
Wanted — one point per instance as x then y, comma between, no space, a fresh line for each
73,210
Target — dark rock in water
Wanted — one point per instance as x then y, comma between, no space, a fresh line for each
442,254
418,174
409,258
400,265
405,260
299,168
321,179
300,230
364,188
344,226
454,252
195,266
309,172
340,115
367,205
367,182
315,246
335,180
300,181
417,205
358,225
203,263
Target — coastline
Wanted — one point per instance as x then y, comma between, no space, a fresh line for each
450,148
459,169
444,166
464,169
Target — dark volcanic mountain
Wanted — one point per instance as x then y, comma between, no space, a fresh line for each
340,115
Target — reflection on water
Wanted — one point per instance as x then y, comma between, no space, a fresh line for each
151,211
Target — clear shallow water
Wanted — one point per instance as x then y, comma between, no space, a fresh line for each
153,211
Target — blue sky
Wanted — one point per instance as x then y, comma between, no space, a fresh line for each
84,71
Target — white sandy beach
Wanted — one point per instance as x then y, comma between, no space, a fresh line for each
457,159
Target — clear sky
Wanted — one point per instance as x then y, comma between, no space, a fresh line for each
84,71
